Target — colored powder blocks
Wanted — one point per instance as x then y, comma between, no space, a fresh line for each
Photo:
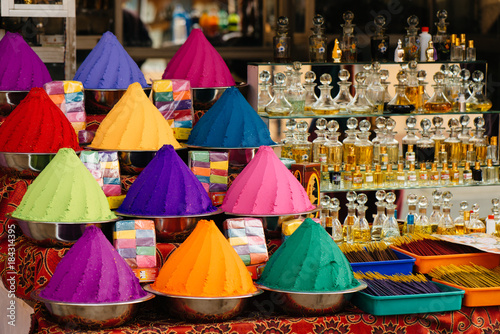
105,168
135,241
173,99
211,169
246,235
69,97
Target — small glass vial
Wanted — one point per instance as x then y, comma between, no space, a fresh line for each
360,103
445,175
379,137
310,97
317,41
361,228
434,176
335,177
337,233
453,144
429,52
279,106
471,51
349,43
390,177
302,151
425,146
378,176
411,201
357,178
422,224
390,227
380,41
368,178
411,137
411,176
400,176
446,225
477,174
492,151
282,43
264,94
471,154
347,177
454,174
344,96
296,93
380,217
351,218
490,173
436,214
325,177
333,145
479,140
320,140
289,141
349,143
364,147
438,101
459,222
325,105
410,156
390,142
443,156
467,174
423,175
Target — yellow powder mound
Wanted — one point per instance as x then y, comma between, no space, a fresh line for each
205,265
134,124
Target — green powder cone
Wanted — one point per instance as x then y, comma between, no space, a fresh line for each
65,191
308,261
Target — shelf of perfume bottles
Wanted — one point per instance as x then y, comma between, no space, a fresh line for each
345,115
329,64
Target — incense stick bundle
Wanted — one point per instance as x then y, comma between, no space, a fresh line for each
468,276
396,285
371,252
425,245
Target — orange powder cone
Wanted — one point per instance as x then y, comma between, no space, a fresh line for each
205,265
134,124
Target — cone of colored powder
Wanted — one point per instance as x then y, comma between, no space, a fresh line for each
308,261
205,265
109,66
266,187
65,191
166,187
37,125
20,69
93,272
230,122
134,124
199,62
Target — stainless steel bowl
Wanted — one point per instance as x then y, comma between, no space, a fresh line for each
9,100
97,315
27,165
203,308
52,234
312,303
173,228
101,101
205,98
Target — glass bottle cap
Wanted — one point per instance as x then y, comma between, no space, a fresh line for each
279,79
360,78
352,123
264,76
283,22
411,122
436,194
464,205
423,202
402,77
325,201
477,76
297,65
411,199
332,126
379,21
380,195
412,21
335,203
391,197
439,78
318,20
344,74
464,74
495,201
302,126
412,65
348,17
447,196
425,124
325,79
455,70
453,122
364,125
421,75
351,196
442,14
475,208
464,120
380,122
291,124
479,122
362,199
321,124
384,74
376,66
309,77
390,124
437,121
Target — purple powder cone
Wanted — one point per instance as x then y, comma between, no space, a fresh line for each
166,187
93,272
20,69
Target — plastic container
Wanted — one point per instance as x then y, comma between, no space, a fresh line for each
476,297
450,299
424,264
425,37
402,266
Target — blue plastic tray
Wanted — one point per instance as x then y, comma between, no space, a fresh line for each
449,299
402,266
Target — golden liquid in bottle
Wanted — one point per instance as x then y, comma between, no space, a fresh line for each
412,95
446,230
481,153
364,155
434,228
454,152
423,229
478,106
463,153
286,151
301,154
334,155
437,148
350,222
476,230
346,151
497,229
360,235
460,228
315,151
325,111
437,107
393,154
307,108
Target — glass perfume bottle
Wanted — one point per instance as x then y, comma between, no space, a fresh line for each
376,93
460,226
317,41
438,101
337,233
380,217
390,143
399,52
378,176
470,52
320,140
496,215
301,152
357,177
422,96
411,176
289,141
400,176
411,89
445,175
411,201
343,97
452,86
361,228
425,146
438,136
434,177
436,214
422,224
465,93
390,177
380,41
467,174
464,137
368,177
264,94
492,151
441,38
279,105
384,75
478,101
333,145
310,97
477,174
324,205
360,103
454,174
423,175
282,43
446,225
296,93
325,105
400,104
351,218
411,137
364,147
379,137
337,52
490,172
411,39
349,143
452,143
476,225
410,156
390,227
349,43
479,140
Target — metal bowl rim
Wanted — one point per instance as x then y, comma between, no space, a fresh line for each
216,212
238,85
14,91
9,215
316,209
36,295
230,148
109,89
362,285
131,151
148,288
39,153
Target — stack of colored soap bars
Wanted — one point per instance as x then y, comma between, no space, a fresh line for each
246,235
211,169
68,96
105,168
135,241
173,99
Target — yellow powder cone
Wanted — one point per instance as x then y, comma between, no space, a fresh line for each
134,124
205,265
